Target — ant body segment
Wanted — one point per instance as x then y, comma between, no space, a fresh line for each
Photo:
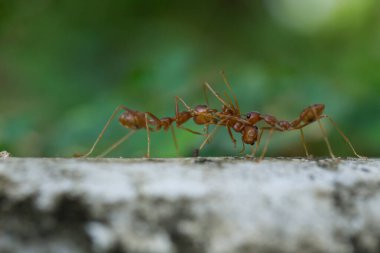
134,120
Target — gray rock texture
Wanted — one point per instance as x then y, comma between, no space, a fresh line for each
216,205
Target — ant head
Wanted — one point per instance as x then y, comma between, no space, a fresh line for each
253,117
249,134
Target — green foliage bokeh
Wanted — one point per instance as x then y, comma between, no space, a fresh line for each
65,66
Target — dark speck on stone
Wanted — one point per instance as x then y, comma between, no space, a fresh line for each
365,170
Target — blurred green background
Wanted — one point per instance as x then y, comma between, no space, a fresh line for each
66,65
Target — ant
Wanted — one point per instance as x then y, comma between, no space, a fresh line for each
309,115
133,120
136,120
231,118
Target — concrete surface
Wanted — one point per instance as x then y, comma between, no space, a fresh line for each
189,205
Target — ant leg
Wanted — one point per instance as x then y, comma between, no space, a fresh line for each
148,135
242,149
258,142
117,143
343,135
155,122
216,95
304,143
189,130
231,136
209,137
266,144
323,133
120,107
205,129
230,89
229,100
206,99
252,151
183,102
174,139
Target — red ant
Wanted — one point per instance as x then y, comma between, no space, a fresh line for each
231,118
136,120
309,115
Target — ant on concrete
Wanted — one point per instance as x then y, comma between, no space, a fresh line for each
136,120
311,114
231,118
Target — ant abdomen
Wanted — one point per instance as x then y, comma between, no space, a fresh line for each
129,120
249,134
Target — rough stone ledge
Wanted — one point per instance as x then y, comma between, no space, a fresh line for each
189,205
